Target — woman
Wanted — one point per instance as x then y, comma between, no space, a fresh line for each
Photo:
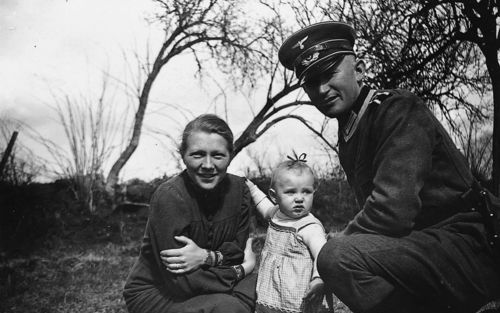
193,257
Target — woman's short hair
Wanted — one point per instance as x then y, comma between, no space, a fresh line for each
208,123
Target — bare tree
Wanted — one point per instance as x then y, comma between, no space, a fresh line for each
281,83
215,27
94,129
477,22
8,150
475,140
21,166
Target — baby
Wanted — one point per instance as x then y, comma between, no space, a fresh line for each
288,279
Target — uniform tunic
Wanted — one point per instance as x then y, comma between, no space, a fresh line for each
214,220
286,268
412,231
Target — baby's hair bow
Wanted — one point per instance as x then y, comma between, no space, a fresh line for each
298,158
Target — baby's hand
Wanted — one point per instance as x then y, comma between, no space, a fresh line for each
264,206
314,295
250,257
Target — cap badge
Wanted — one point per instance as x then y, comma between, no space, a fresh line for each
300,43
310,58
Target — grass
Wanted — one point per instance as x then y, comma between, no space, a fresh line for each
81,273
68,275
69,278
82,269
85,270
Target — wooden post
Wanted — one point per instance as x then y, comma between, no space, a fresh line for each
7,152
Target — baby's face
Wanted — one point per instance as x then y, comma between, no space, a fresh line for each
294,192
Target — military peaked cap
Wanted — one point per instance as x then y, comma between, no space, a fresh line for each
310,49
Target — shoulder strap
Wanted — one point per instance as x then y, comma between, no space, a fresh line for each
308,220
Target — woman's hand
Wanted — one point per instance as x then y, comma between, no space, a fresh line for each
250,257
183,260
314,295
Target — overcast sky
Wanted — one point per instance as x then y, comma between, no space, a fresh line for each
59,47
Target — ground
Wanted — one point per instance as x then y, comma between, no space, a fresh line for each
69,279
82,269
83,272
68,275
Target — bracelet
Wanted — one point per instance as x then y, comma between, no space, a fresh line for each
219,258
209,259
216,258
240,271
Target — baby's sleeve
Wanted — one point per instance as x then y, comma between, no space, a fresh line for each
263,204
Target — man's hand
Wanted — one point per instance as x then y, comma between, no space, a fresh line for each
314,295
183,260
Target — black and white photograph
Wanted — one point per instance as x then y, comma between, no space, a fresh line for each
261,156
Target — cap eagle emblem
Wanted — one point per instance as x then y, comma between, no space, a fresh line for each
300,43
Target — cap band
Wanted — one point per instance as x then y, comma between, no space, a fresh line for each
325,50
339,44
321,65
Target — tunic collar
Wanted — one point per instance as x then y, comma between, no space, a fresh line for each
349,123
359,101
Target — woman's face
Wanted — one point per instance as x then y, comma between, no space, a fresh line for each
206,158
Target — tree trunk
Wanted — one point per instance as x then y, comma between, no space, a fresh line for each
248,136
490,52
7,152
112,179
495,81
483,16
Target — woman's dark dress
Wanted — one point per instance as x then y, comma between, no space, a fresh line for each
215,220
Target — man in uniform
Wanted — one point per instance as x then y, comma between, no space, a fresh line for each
421,239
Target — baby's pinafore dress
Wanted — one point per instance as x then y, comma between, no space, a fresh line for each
285,270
